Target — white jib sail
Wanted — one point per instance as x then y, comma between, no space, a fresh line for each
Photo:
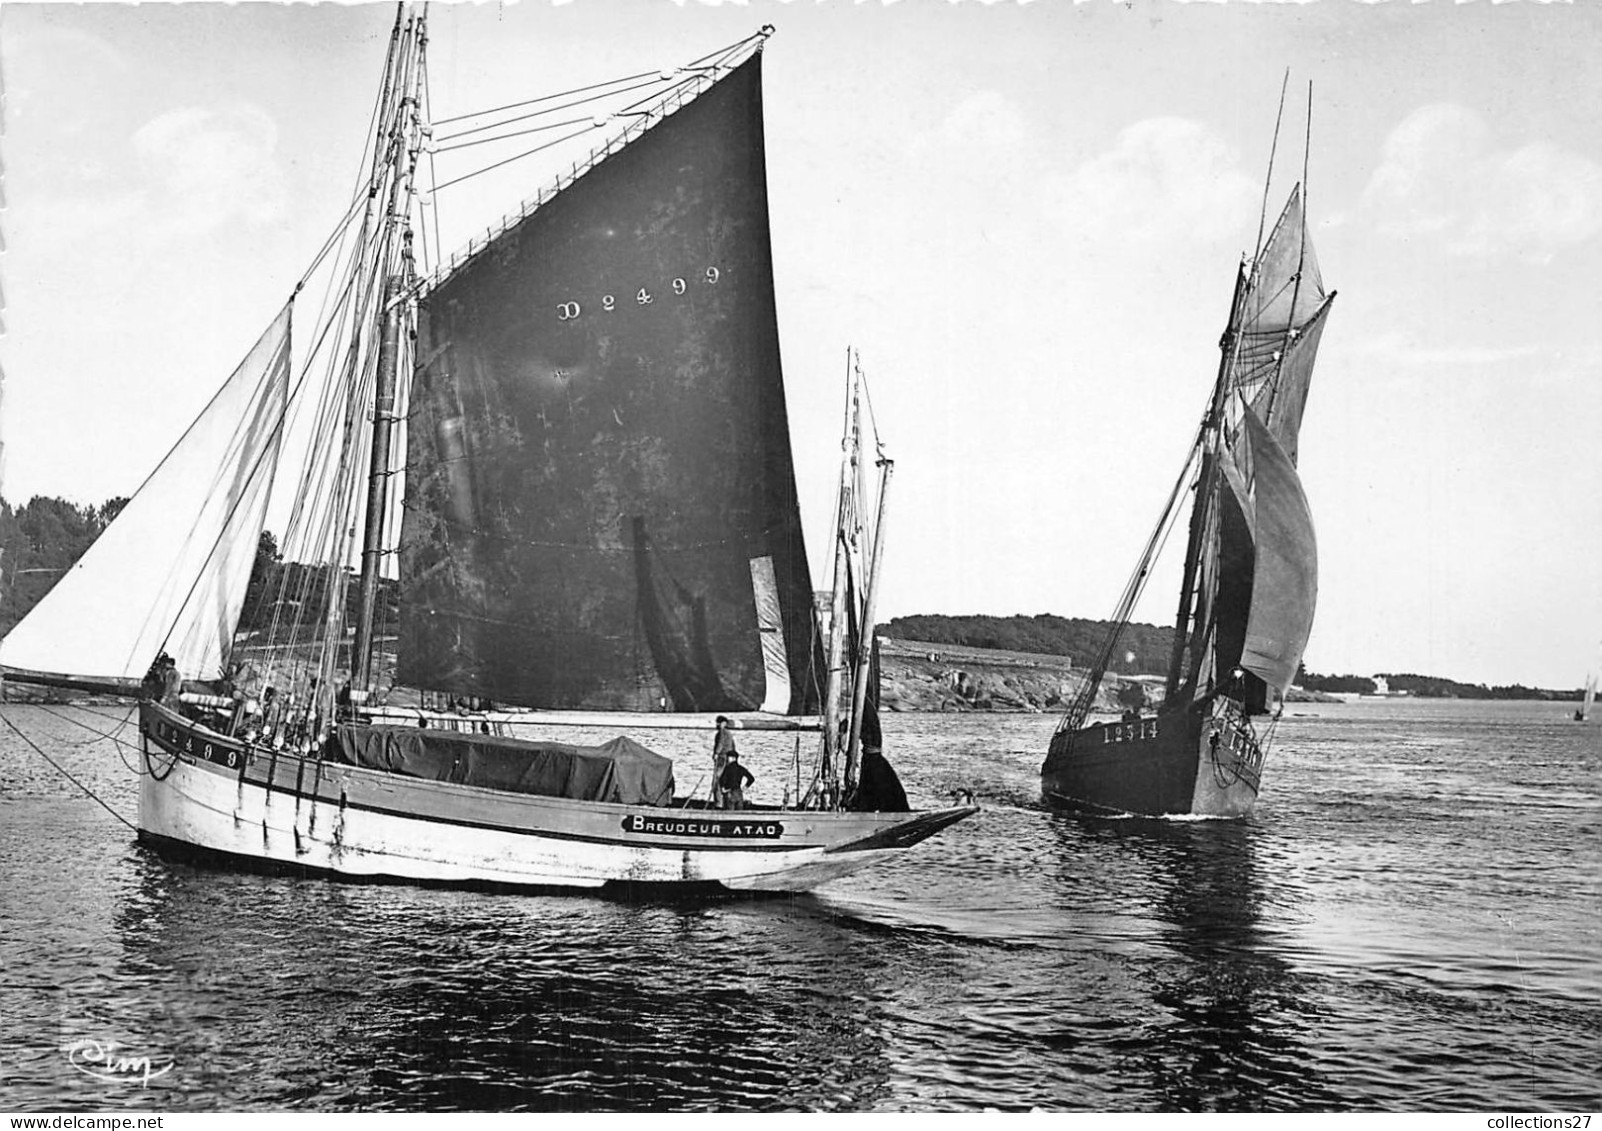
170,571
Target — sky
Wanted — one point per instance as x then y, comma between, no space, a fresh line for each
1024,217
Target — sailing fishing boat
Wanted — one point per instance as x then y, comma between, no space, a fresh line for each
1583,711
576,506
1250,574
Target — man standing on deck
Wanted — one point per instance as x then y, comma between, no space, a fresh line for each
722,750
733,780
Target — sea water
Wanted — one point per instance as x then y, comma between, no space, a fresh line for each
1409,921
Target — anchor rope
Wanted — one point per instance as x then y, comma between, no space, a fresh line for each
122,746
121,724
93,796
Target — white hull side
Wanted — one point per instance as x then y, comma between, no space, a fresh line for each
203,791
204,809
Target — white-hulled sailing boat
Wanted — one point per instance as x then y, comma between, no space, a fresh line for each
1583,711
1250,574
599,524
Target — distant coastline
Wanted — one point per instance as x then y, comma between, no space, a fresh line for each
934,662
1015,663
918,675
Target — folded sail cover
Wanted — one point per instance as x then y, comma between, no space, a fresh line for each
621,771
601,506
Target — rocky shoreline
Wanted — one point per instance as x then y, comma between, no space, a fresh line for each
918,676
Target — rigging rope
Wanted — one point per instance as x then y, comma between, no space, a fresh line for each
589,123
720,54
536,114
673,86
291,398
101,735
546,98
98,734
433,179
517,157
1075,716
64,772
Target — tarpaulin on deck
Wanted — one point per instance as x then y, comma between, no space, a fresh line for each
621,770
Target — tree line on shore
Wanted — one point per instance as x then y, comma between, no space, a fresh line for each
1426,687
42,539
1144,649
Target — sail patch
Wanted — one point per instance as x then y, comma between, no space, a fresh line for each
770,628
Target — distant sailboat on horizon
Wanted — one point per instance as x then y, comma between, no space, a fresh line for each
1583,712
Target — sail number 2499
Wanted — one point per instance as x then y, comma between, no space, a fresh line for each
568,311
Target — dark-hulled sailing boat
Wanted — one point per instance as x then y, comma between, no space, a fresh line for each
599,526
1250,574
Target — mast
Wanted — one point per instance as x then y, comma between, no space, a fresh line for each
1228,348
1201,509
1293,331
842,576
395,259
859,698
377,485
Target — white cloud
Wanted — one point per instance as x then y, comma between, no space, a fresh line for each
985,119
208,166
1164,179
1444,177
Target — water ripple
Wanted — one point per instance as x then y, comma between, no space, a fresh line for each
1409,922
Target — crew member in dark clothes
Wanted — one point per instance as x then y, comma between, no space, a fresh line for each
172,684
154,685
722,749
733,780
272,711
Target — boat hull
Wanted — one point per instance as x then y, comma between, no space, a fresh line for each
204,792
1162,765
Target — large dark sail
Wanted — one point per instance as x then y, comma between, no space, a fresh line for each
601,502
1285,565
